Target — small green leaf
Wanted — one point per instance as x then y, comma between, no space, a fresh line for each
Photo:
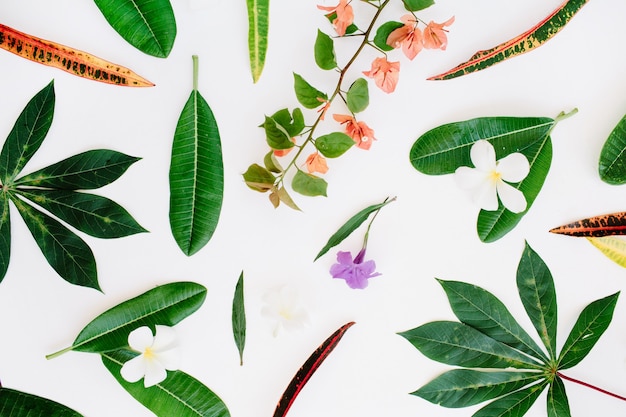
612,165
292,123
324,51
358,97
259,178
515,404
308,184
309,96
5,235
239,318
286,198
415,5
276,136
20,404
334,144
271,163
383,32
178,395
558,405
148,25
258,30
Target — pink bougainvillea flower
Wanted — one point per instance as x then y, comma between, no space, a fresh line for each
283,152
435,35
409,37
360,132
344,16
355,272
385,74
316,163
323,109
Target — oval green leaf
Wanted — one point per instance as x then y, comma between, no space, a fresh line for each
415,5
276,135
292,123
383,32
20,404
334,144
258,29
309,96
612,165
358,97
308,184
259,178
324,49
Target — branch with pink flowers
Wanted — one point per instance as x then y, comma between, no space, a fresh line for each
287,134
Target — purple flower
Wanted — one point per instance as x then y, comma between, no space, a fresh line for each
355,272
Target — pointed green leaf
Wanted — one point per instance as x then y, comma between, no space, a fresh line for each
455,343
5,235
148,25
164,305
85,171
334,144
67,253
415,5
558,405
358,97
276,136
178,395
324,51
591,324
259,178
196,174
271,163
258,29
20,404
308,184
292,123
515,404
309,96
284,196
28,133
466,387
92,214
480,309
612,165
536,289
383,32
239,318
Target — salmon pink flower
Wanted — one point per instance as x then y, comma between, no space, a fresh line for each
435,35
385,74
344,16
360,132
322,110
409,37
316,163
355,272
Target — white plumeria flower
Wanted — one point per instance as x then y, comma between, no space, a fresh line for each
489,180
158,353
282,307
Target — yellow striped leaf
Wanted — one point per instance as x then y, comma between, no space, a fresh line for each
612,247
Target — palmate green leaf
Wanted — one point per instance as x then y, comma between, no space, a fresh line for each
164,305
309,184
383,32
558,405
466,387
196,174
334,144
324,50
309,96
612,165
590,326
92,214
21,404
515,404
66,253
148,25
358,96
258,29
5,235
85,171
28,133
178,395
239,318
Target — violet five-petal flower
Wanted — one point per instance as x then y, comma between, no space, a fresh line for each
355,272
490,178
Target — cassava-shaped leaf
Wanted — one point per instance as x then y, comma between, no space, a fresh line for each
514,404
309,96
148,25
612,165
324,50
309,184
334,144
258,30
597,226
358,96
178,395
558,405
383,32
239,318
612,247
15,403
527,41
164,305
5,235
196,173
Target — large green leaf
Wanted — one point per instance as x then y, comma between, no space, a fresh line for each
309,184
92,214
558,405
590,326
515,404
466,387
612,165
258,29
324,50
196,174
239,318
276,135
20,404
480,309
148,25
85,171
67,253
5,235
164,305
28,133
178,395
293,122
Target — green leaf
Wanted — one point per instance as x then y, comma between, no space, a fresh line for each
515,404
292,123
612,165
536,290
258,178
455,343
286,198
67,253
92,214
415,5
324,51
178,395
276,136
271,163
308,184
258,29
148,25
334,144
383,32
350,226
28,133
196,174
85,171
481,310
590,326
358,97
239,318
5,235
20,404
558,405
309,96
164,305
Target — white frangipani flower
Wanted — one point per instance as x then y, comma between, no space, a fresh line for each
282,307
158,353
489,179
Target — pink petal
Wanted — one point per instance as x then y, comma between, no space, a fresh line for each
512,198
483,155
513,167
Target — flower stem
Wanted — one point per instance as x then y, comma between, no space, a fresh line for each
619,397
367,231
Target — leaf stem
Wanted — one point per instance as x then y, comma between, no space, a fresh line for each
195,71
585,384
59,353
367,231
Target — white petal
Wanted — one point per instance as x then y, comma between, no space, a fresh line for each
134,369
164,339
469,178
483,155
485,195
155,373
513,167
169,359
512,198
140,338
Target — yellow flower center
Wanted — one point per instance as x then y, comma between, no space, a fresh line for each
495,176
285,313
148,353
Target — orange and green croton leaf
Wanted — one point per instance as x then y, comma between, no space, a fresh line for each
68,59
527,41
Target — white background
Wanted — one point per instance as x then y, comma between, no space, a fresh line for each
428,232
